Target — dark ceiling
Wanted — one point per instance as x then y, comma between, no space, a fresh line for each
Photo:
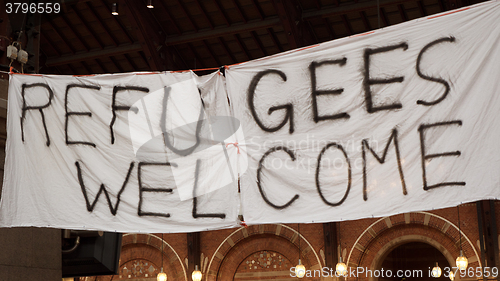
84,38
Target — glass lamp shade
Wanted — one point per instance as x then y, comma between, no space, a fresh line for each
162,276
341,268
150,4
300,270
196,274
436,271
462,262
452,276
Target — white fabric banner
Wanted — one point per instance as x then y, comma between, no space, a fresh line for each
138,152
401,119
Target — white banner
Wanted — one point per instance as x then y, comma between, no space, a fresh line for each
128,152
401,119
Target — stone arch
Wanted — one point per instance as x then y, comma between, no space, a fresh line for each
389,232
247,240
401,240
151,250
394,243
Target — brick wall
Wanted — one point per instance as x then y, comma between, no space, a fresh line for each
245,253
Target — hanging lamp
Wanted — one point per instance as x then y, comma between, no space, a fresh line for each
461,261
162,276
341,267
436,271
300,269
114,9
196,275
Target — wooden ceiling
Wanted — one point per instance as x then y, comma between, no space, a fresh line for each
193,34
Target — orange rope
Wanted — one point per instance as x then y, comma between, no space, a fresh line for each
199,69
235,144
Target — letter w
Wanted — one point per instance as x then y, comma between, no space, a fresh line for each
90,207
381,160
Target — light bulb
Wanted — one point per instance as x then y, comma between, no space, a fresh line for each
162,276
341,268
114,9
196,275
462,261
436,271
452,276
300,270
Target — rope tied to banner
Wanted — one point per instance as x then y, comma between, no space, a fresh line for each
235,144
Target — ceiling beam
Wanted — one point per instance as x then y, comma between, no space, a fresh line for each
63,38
257,41
204,13
290,18
258,8
117,64
276,42
221,10
123,29
49,42
222,31
87,67
197,58
238,8
187,15
77,35
104,68
148,32
170,51
212,54
331,32
242,46
177,57
111,51
310,30
402,12
332,10
347,25
102,24
366,22
82,19
421,7
165,11
384,17
73,71
226,49
292,21
131,62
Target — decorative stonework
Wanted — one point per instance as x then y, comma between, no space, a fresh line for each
138,268
265,260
